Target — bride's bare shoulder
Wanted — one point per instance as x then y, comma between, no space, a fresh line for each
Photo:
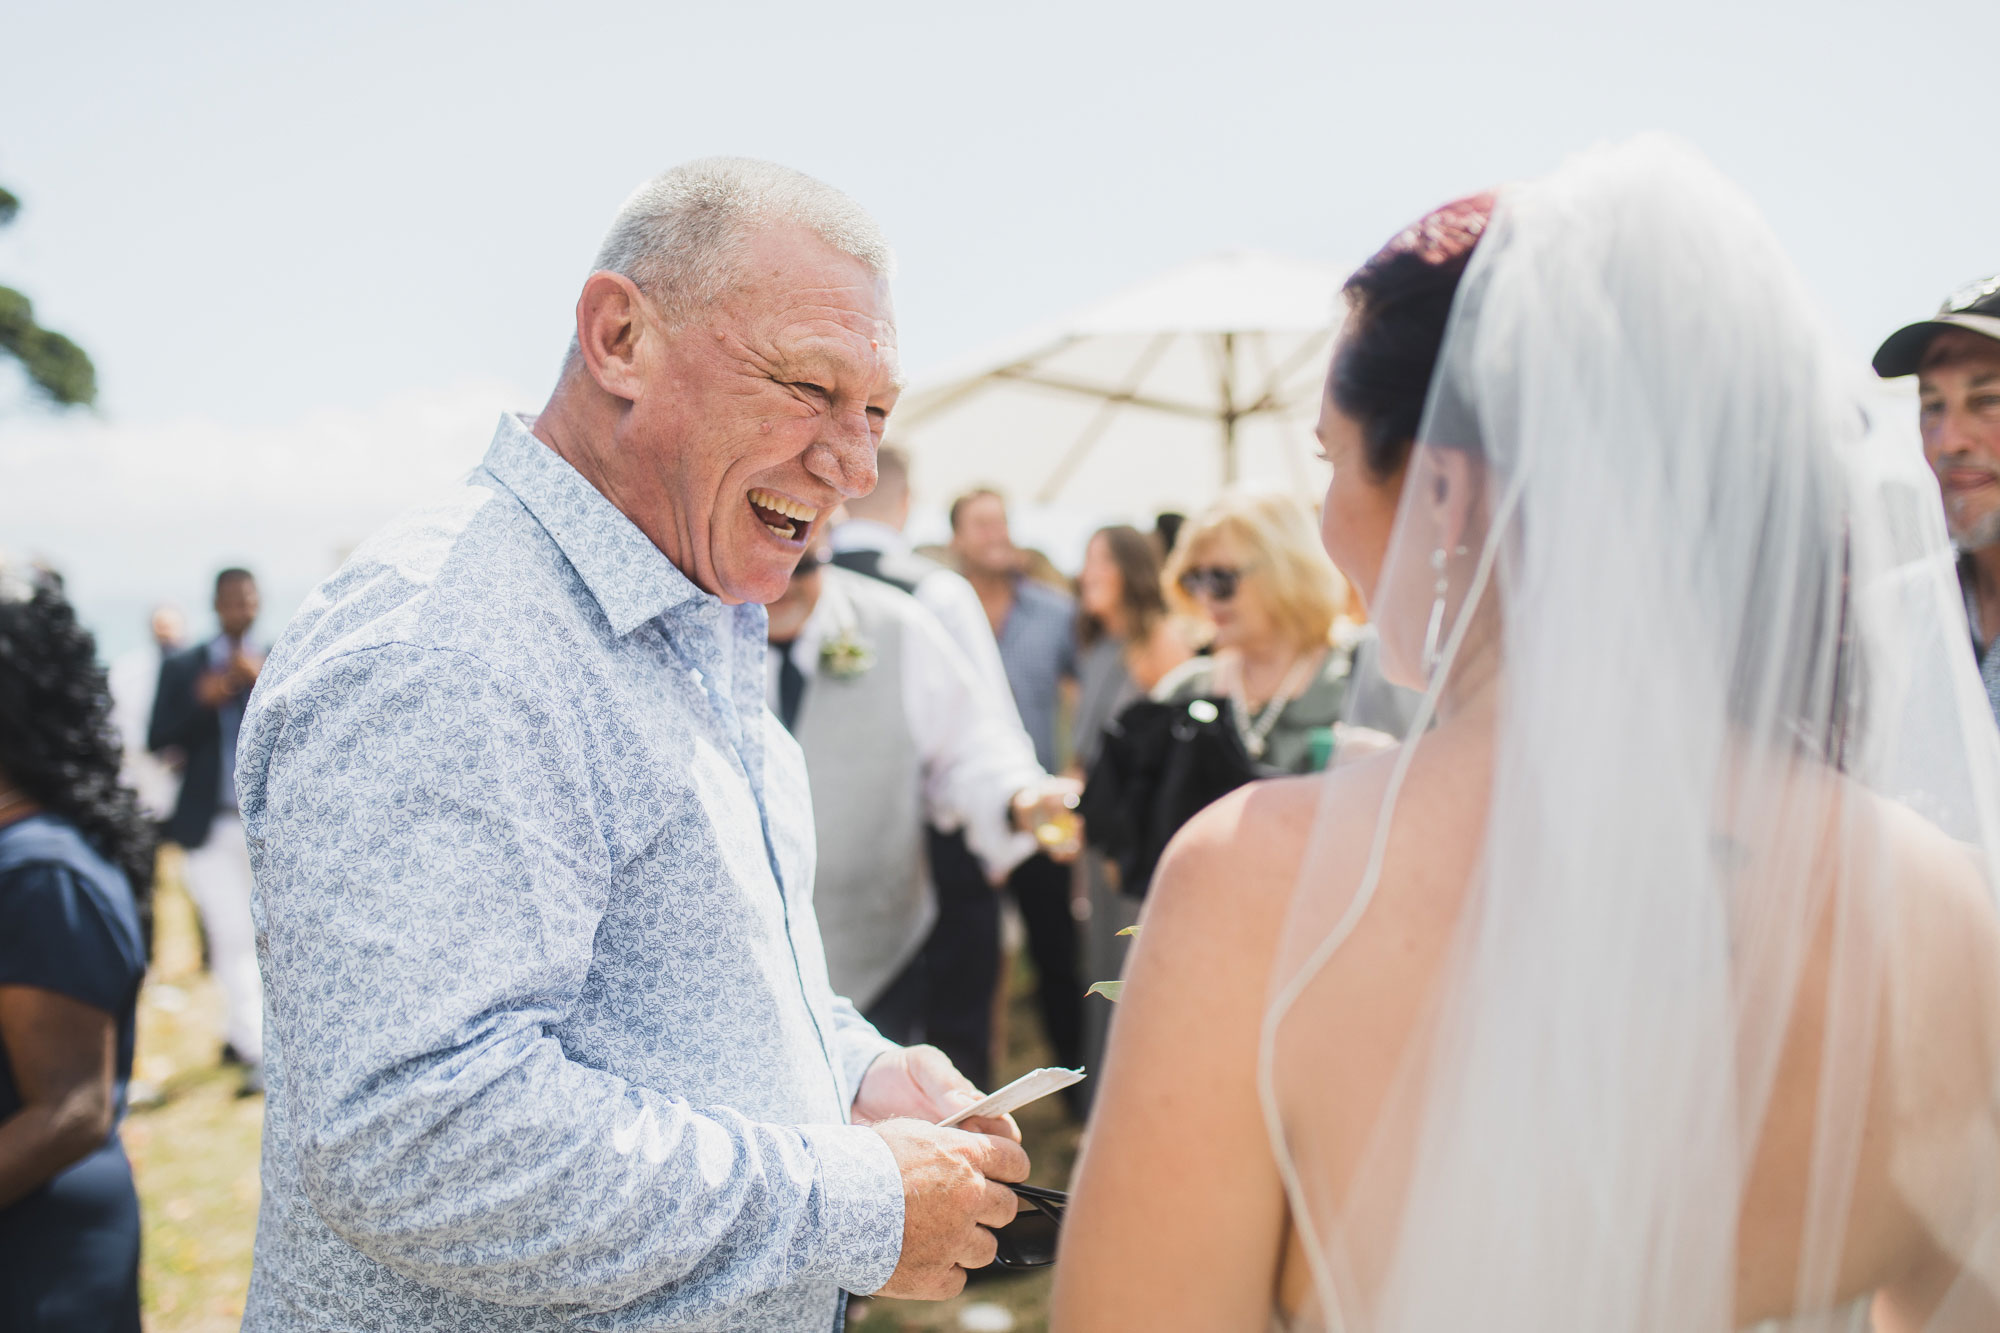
1946,952
1237,863
1947,929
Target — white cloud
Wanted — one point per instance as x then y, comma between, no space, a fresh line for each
136,514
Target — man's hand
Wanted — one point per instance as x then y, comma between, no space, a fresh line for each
212,689
1048,810
953,1196
244,670
921,1083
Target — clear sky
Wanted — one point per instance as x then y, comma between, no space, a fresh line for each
314,250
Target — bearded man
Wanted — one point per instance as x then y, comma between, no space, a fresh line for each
551,1042
1955,356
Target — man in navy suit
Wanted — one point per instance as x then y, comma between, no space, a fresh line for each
197,711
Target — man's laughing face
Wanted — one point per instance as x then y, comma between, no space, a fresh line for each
762,414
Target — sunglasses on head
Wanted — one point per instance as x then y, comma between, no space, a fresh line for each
1029,1241
1216,582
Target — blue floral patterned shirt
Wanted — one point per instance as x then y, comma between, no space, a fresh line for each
550,1040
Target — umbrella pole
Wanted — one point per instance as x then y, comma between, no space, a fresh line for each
1227,399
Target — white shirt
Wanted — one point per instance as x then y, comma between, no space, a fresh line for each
975,754
945,594
133,680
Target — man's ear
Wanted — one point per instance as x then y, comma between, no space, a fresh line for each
613,328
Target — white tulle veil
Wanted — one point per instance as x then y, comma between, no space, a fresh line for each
1726,655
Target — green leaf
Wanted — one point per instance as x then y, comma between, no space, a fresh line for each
1110,990
1129,930
58,369
55,365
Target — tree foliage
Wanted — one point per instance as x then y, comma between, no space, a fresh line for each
57,367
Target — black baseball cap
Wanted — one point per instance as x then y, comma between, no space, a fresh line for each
1975,307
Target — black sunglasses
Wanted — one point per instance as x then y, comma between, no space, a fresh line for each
1029,1241
1218,582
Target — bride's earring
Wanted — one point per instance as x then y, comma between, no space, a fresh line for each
1435,630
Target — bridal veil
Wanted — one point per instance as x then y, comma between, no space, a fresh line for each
1731,692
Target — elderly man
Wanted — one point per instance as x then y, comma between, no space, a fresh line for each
551,1039
1955,356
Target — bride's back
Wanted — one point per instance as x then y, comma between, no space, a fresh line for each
1634,996
1923,1195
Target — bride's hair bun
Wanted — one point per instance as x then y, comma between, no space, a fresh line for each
1399,302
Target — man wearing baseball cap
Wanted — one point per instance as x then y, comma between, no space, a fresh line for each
1955,356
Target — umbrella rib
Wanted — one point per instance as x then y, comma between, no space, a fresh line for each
1112,397
1268,400
1073,457
964,389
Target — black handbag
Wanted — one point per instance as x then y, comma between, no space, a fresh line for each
1159,765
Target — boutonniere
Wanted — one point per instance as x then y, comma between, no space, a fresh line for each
843,656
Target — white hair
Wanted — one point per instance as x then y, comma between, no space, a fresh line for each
681,235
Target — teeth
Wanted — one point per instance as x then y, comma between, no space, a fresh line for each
778,504
786,533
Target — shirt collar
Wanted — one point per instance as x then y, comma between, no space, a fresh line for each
632,579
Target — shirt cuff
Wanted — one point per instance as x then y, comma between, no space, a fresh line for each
860,1194
1017,848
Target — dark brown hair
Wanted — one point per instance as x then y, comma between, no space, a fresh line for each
1138,561
1399,303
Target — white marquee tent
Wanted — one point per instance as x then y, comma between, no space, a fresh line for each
1152,399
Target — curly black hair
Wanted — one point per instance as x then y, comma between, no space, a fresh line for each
57,743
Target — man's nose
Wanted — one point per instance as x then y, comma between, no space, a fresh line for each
1953,439
844,454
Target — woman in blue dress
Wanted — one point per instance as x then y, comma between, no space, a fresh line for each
75,864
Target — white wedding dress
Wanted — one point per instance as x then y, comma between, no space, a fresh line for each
1733,686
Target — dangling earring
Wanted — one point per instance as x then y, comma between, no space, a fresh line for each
1435,629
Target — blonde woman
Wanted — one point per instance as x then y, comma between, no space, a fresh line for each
1252,568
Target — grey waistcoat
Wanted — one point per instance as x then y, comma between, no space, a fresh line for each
872,892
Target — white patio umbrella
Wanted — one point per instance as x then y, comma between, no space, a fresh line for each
1152,399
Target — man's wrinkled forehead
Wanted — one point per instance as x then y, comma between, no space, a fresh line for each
849,328
843,348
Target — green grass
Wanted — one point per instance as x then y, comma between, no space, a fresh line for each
195,1154
195,1151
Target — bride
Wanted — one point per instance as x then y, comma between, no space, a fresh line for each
1657,986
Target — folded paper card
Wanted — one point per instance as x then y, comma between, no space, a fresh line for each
1029,1087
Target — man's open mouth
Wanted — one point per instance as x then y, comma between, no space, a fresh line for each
785,518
